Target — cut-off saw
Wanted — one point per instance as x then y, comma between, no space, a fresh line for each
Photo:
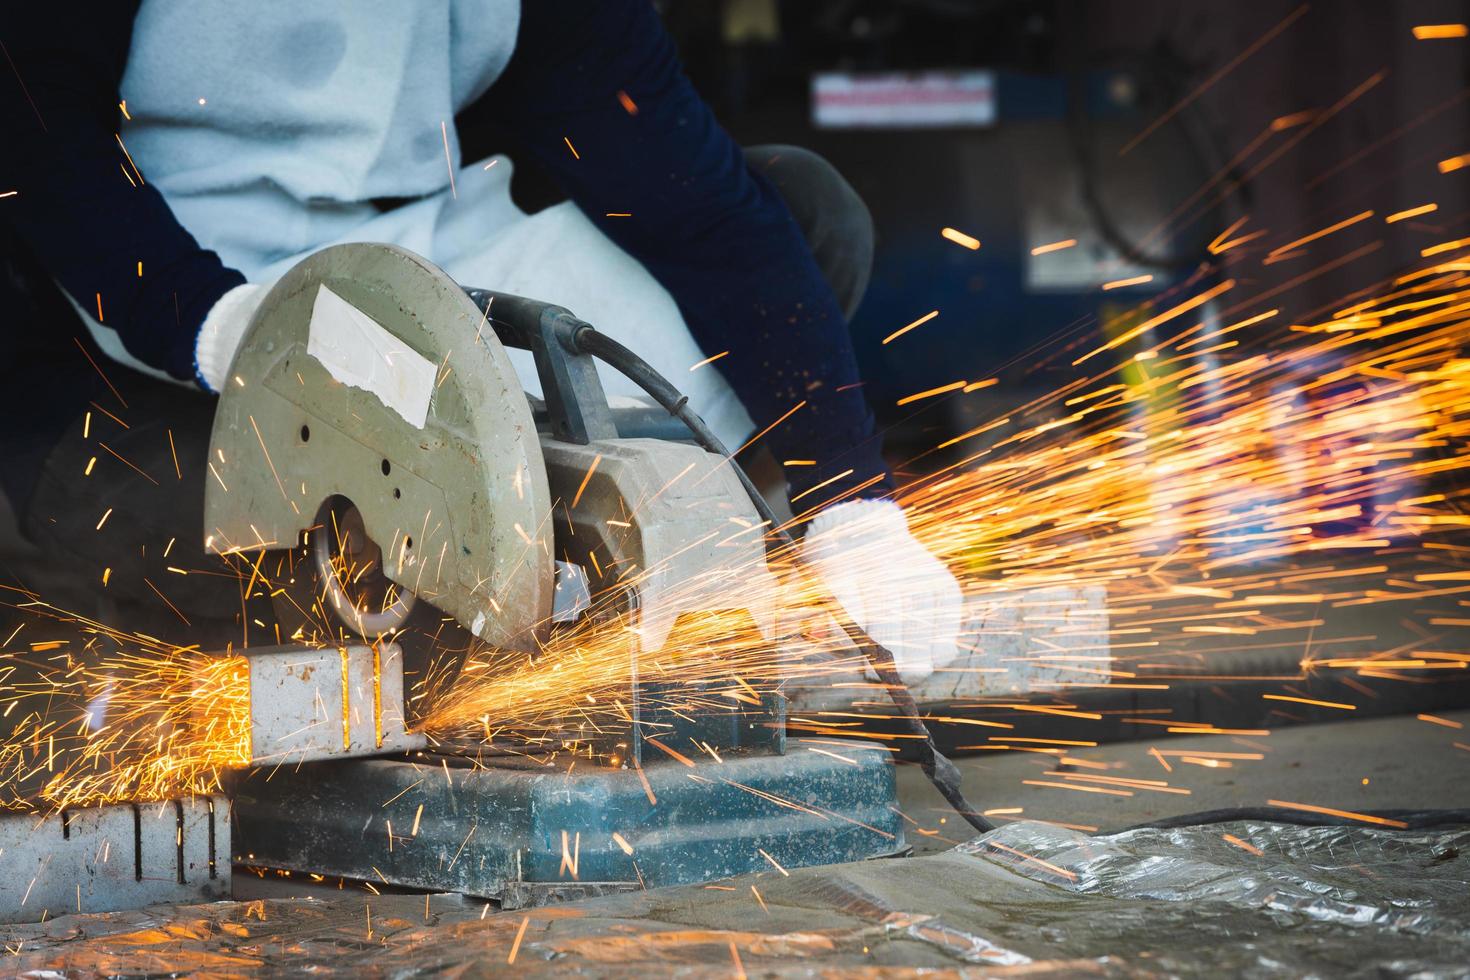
375,453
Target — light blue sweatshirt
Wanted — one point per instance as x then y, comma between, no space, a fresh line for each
296,113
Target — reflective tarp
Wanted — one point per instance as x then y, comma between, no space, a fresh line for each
1254,899
1246,899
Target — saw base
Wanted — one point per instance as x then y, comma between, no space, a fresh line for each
525,836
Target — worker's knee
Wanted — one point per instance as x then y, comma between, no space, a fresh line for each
832,216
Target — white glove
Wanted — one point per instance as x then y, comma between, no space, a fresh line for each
901,595
221,333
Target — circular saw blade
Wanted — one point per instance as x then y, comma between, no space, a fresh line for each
368,374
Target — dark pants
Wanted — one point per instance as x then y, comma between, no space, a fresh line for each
120,497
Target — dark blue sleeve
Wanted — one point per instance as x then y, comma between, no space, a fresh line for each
604,74
88,216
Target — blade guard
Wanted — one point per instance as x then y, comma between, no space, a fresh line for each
663,529
669,523
368,373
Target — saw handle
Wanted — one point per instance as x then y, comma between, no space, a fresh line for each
575,402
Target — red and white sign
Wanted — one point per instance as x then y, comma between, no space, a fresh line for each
895,100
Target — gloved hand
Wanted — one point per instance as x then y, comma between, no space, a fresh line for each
221,333
901,595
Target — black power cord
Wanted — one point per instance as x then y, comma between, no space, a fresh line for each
1411,819
940,771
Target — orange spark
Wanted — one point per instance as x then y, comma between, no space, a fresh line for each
1080,789
903,330
1292,119
1032,859
1346,814
1312,701
919,396
1410,213
1330,229
960,238
586,478
774,863
1054,246
708,360
139,174
1123,283
1439,32
1443,247
1162,318
1244,845
735,958
515,947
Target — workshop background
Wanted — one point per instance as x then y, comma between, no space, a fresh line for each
1046,177
1036,98
1101,162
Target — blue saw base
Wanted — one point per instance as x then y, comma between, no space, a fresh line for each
525,835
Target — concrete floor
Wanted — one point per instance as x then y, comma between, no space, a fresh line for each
1400,762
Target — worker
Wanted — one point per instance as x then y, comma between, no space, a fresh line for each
168,160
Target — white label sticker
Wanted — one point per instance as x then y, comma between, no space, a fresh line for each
357,351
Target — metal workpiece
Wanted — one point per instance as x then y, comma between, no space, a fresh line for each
372,404
523,833
667,521
106,858
329,703
366,375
